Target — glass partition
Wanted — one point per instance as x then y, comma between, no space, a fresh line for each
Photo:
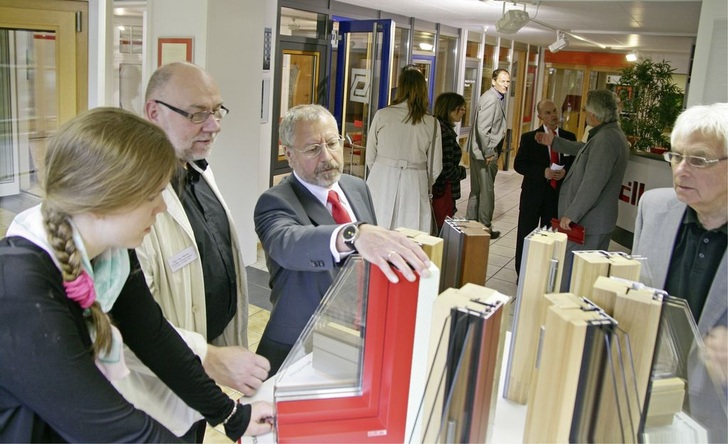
564,86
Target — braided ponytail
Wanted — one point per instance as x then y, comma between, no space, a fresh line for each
60,237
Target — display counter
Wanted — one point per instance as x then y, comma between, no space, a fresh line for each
645,171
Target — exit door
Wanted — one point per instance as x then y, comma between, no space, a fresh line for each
363,83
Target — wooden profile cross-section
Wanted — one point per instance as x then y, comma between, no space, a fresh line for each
465,372
465,253
543,256
589,265
637,310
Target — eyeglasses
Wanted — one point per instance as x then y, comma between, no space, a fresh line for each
315,149
694,161
200,116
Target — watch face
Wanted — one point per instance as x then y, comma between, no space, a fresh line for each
349,232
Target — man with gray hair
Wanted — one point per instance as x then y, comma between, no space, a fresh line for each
311,221
590,191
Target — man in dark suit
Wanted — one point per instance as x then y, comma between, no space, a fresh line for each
307,232
541,179
590,191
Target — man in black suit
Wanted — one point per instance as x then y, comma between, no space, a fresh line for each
307,233
541,180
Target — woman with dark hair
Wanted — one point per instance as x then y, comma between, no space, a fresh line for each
449,110
401,139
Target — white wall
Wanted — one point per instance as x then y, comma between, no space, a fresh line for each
228,42
235,59
709,79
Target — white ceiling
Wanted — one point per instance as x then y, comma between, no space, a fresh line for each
649,26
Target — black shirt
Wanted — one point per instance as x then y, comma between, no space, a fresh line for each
694,262
212,233
50,388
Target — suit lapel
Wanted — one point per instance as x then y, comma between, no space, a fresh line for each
317,213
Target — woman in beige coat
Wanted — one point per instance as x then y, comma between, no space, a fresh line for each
398,156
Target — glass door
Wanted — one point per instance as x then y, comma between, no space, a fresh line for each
363,82
42,69
565,87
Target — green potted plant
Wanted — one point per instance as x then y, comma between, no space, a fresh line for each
651,102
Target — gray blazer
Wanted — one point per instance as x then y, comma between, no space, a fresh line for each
590,191
659,215
295,229
489,126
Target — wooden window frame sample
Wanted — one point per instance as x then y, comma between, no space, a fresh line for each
469,416
575,361
590,264
392,367
541,271
465,253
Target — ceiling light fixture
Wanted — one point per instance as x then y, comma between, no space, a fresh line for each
560,43
512,20
426,46
631,57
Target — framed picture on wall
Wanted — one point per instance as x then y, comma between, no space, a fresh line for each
174,49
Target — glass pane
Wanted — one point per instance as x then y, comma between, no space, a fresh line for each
469,92
686,400
446,64
299,23
360,96
327,358
299,82
401,55
424,42
29,107
529,107
564,87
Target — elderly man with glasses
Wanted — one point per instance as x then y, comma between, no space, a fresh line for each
682,233
191,257
311,221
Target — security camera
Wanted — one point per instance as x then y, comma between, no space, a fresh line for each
560,43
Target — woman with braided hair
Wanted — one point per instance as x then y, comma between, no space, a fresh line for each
72,295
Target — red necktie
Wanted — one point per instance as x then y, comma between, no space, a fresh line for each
554,159
341,216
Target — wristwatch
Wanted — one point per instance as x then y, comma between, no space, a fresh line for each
350,233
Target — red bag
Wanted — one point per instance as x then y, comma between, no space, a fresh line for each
576,234
443,206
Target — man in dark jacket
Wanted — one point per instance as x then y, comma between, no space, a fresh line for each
542,169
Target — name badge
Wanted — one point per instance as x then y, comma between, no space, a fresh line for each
182,258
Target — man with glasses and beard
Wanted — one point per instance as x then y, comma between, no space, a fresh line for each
191,258
311,221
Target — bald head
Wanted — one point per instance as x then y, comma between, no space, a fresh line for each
548,114
175,92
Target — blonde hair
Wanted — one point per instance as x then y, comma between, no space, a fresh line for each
103,160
